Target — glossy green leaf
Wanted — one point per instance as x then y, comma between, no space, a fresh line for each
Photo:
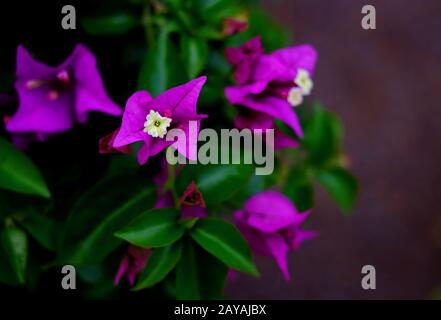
199,275
153,228
225,242
187,281
7,274
99,213
195,53
162,261
41,228
15,244
217,182
299,189
161,68
341,185
109,25
214,10
323,135
18,173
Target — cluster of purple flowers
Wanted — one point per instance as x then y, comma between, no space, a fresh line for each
268,87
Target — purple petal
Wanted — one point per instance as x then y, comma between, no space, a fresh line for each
144,151
157,145
29,68
131,276
279,250
282,65
295,58
304,235
90,92
243,59
299,236
270,211
275,107
181,100
282,140
122,269
188,148
37,113
237,94
137,108
255,238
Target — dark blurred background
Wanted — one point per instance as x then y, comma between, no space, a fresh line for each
385,85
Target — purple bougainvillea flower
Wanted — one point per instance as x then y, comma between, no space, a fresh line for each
148,119
132,263
53,99
192,203
271,83
271,224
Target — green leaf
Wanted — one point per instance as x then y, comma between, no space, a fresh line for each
15,243
187,282
341,185
217,182
109,25
323,135
99,213
162,261
41,228
299,189
225,242
162,68
7,274
214,10
199,275
18,173
195,53
153,228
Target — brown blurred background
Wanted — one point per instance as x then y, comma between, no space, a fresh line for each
385,84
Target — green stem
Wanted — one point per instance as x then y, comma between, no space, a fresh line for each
147,22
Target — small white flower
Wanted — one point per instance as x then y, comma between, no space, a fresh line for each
156,125
295,96
304,81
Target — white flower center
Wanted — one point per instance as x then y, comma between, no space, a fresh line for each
304,81
156,125
295,96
